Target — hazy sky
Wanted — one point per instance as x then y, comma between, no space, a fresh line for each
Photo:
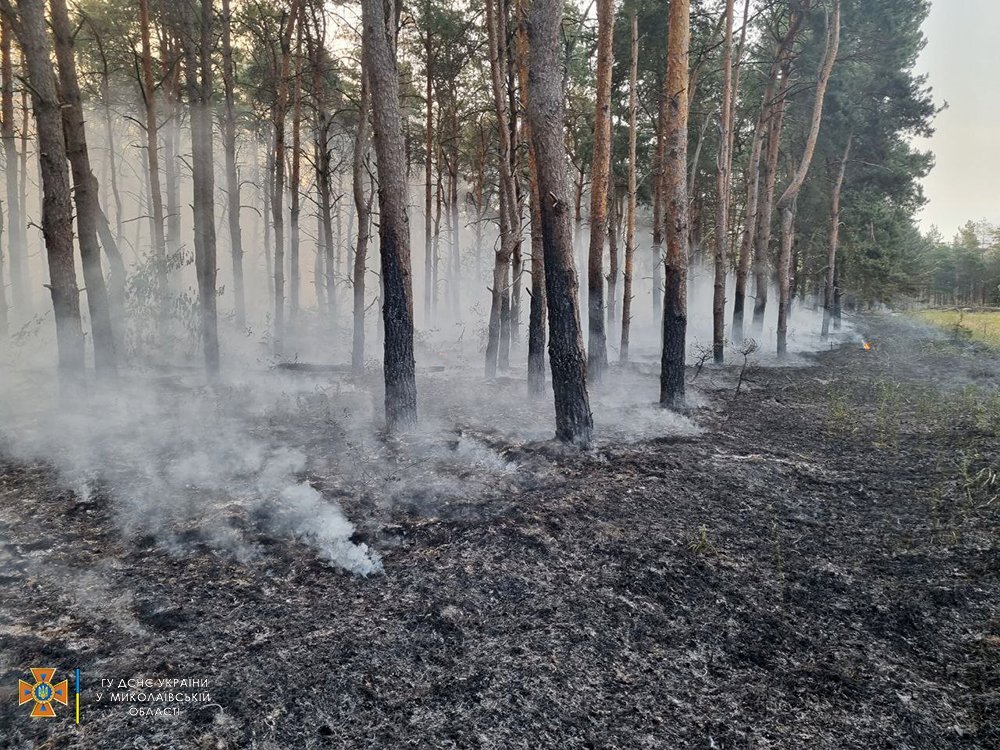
962,58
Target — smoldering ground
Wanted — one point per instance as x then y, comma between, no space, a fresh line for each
807,567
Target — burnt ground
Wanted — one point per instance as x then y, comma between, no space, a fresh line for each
818,568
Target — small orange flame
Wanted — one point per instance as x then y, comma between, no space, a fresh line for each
868,346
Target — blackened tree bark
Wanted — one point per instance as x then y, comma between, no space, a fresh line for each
675,202
278,114
536,309
546,114
378,20
630,215
294,186
85,191
153,159
597,346
725,163
362,207
232,176
198,74
57,206
497,343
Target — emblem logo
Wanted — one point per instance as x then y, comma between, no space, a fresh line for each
43,693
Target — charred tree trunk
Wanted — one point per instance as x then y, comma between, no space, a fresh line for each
153,158
500,307
536,308
394,229
295,178
57,206
546,114
278,115
675,197
597,346
362,206
429,287
85,190
630,212
786,204
725,162
831,256
198,74
232,175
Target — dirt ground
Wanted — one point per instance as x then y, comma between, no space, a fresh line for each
817,568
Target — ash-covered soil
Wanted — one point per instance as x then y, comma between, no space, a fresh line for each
817,567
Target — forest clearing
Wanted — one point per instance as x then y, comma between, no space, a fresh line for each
498,374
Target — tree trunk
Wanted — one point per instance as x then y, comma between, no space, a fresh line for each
394,229
57,207
614,225
774,101
17,248
546,114
361,205
198,60
786,204
675,197
294,209
278,114
725,161
500,307
153,157
831,256
85,191
536,309
765,204
232,176
429,288
630,214
597,347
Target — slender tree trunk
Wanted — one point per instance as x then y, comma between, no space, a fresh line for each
153,157
232,175
268,183
630,215
279,112
295,179
786,204
831,256
749,227
614,225
85,191
394,229
361,205
546,114
775,103
536,309
4,321
500,307
725,163
675,197
57,207
429,287
597,347
198,61
17,249
765,204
